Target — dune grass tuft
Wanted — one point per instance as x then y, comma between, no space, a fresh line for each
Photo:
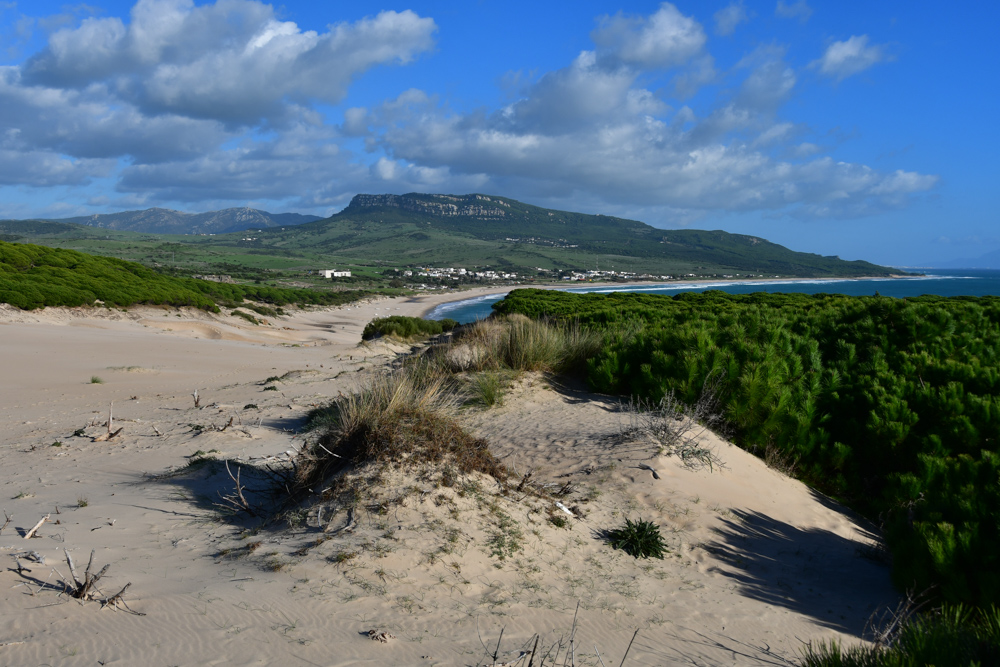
639,539
399,416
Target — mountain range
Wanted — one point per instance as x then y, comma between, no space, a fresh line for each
431,230
167,221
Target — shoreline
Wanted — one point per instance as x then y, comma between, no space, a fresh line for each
432,301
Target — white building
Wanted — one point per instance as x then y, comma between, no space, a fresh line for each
334,273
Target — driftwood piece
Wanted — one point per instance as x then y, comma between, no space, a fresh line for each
197,399
104,437
8,517
34,529
111,433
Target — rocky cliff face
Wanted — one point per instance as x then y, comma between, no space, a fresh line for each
480,207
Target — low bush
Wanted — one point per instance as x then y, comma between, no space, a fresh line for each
406,328
954,636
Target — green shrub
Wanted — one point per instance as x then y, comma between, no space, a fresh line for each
890,405
406,328
639,539
247,316
954,636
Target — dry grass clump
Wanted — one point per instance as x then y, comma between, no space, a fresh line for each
402,415
521,344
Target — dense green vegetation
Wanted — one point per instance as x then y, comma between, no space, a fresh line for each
404,327
34,277
952,637
892,406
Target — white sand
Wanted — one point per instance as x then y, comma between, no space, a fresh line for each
758,563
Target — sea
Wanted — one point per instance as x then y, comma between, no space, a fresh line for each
940,282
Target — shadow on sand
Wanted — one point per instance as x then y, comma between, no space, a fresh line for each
810,571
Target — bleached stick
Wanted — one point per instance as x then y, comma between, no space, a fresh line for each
31,533
5,523
72,568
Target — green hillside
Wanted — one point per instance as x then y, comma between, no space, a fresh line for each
468,231
33,276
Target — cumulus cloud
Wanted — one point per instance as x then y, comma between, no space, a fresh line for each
666,38
192,102
231,61
593,131
211,104
729,17
843,59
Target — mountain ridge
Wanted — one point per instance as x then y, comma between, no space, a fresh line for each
168,221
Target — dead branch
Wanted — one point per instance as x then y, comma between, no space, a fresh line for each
31,533
8,517
228,424
118,599
157,431
236,500
629,647
72,568
197,399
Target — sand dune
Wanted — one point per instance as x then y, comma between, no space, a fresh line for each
758,563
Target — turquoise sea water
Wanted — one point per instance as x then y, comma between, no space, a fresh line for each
952,282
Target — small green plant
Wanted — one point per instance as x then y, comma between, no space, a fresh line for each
251,406
270,387
342,557
639,539
80,433
273,378
96,380
82,502
489,388
56,444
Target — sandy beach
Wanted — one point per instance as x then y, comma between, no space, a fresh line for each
758,563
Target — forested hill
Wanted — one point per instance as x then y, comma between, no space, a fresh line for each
473,219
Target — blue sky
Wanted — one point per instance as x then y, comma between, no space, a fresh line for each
866,130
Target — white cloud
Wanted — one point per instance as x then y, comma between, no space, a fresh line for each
729,17
214,104
795,10
843,59
231,61
667,38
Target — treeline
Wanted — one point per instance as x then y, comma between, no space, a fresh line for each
34,276
892,406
